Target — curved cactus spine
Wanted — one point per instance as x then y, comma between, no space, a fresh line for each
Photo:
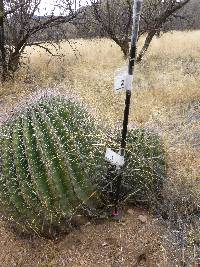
75,156
21,164
9,167
4,192
47,164
53,161
16,203
36,166
91,138
145,167
52,164
59,134
67,122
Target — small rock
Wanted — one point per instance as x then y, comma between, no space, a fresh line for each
142,218
122,223
130,211
142,258
79,220
104,244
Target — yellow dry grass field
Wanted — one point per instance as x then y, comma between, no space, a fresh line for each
166,90
166,99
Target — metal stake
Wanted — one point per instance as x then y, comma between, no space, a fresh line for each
137,7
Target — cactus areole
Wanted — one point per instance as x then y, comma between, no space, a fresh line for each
51,157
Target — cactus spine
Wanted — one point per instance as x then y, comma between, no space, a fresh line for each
145,168
50,163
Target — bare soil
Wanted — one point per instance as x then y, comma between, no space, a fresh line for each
134,241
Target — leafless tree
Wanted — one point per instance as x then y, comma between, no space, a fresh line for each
188,18
114,18
156,13
20,25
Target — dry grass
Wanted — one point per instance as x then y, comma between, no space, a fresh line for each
166,98
166,90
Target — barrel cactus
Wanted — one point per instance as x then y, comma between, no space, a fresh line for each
143,172
145,167
51,157
52,166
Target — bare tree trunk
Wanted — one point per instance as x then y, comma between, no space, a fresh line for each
14,63
2,44
124,45
146,45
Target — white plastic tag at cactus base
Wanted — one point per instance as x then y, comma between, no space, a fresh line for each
114,158
120,79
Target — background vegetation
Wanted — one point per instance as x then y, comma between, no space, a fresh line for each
166,100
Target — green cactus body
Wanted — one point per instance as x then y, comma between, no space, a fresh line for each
52,156
145,167
52,165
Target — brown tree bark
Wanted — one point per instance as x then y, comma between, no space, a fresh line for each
124,45
2,44
146,45
13,43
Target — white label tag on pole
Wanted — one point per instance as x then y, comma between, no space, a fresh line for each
114,158
123,81
120,79
129,82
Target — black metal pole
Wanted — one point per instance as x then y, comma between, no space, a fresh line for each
132,59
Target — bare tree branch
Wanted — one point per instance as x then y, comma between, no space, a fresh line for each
114,18
21,27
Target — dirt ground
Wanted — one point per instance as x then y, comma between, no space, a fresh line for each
166,99
137,240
